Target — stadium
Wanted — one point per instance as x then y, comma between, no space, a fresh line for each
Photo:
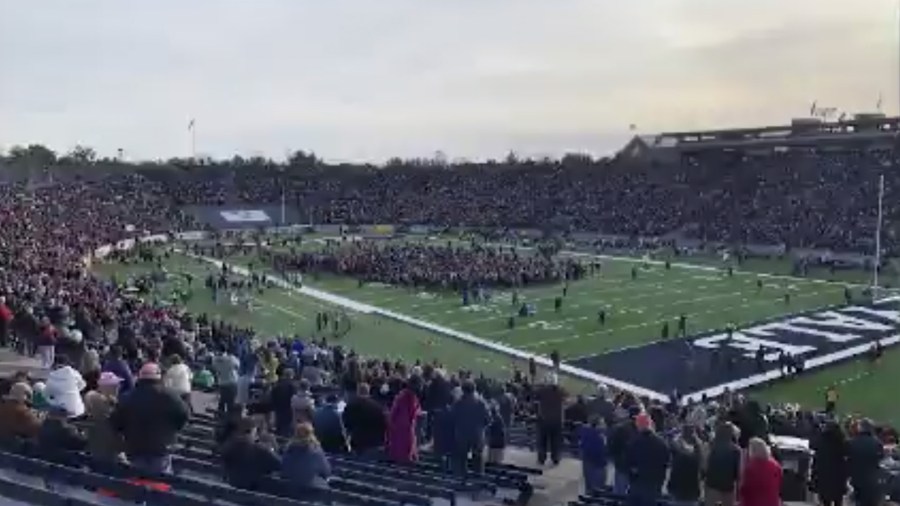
681,272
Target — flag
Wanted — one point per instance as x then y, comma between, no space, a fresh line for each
812,110
191,124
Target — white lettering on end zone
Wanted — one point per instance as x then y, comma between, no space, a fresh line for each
245,216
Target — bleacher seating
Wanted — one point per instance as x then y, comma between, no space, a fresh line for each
78,480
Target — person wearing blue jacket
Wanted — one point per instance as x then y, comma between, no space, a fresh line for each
470,419
304,466
329,426
594,455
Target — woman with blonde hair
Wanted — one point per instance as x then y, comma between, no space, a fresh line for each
761,478
304,466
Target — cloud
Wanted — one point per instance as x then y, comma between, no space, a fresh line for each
356,79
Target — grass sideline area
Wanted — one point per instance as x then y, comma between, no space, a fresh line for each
636,310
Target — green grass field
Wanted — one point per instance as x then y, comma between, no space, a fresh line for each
636,310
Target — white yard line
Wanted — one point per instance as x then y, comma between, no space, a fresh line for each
652,322
283,309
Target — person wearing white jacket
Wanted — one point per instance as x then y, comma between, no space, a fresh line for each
63,390
178,378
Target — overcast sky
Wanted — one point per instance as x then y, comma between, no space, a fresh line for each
370,79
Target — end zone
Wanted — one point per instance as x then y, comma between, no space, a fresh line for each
710,363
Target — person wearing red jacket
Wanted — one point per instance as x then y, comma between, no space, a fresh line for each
6,317
761,478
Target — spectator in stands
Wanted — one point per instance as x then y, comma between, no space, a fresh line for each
648,460
365,421
225,367
471,417
444,430
304,465
577,413
402,445
830,470
6,318
620,439
178,379
723,467
103,443
269,362
313,374
63,388
280,399
302,403
496,435
551,399
329,427
57,437
865,454
761,476
602,406
594,454
246,461
752,423
149,418
46,343
118,366
249,368
17,420
687,460
507,404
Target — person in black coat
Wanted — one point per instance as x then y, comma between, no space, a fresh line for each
619,441
149,418
647,459
247,463
723,466
280,400
830,471
365,422
865,453
687,455
58,439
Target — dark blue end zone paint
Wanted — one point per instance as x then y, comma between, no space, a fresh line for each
700,363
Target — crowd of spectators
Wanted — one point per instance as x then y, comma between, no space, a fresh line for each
431,266
797,199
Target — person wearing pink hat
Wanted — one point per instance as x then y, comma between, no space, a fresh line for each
149,418
647,459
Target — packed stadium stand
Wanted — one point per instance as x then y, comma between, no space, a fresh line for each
111,413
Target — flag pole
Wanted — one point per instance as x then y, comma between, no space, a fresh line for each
878,232
282,204
194,140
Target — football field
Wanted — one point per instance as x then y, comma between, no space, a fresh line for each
636,310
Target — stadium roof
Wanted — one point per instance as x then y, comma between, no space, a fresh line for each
864,131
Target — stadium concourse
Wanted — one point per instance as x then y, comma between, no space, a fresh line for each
132,303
